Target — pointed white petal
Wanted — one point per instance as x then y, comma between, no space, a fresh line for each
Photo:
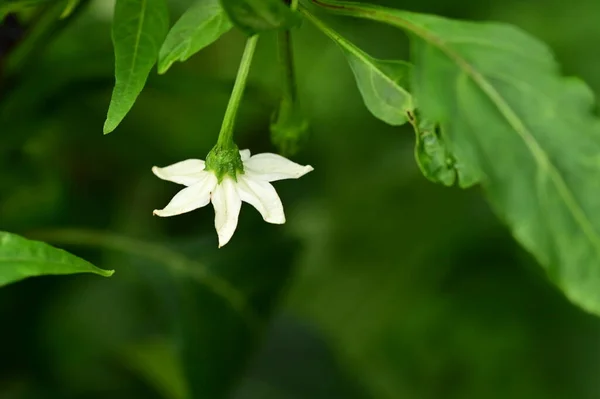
190,198
245,155
227,204
273,167
261,195
187,172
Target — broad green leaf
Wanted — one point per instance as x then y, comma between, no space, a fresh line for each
506,112
202,24
255,16
383,84
21,258
139,28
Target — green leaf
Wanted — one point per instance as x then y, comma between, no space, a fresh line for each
21,258
255,16
138,30
202,24
383,84
505,110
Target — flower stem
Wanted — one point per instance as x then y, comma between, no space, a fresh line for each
226,134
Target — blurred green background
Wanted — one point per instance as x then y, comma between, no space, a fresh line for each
381,285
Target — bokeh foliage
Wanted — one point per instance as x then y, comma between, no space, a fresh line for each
432,300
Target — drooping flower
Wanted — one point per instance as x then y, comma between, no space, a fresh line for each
227,190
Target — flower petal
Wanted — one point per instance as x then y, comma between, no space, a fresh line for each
227,204
261,195
186,172
245,155
273,167
190,198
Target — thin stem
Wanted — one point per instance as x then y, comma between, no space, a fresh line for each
333,35
349,47
286,60
226,134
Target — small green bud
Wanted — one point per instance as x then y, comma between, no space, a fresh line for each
289,128
225,161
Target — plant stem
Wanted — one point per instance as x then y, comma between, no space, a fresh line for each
226,134
286,60
335,36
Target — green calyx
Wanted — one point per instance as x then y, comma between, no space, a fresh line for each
225,162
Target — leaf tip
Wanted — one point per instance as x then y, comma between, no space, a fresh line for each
163,67
106,273
109,126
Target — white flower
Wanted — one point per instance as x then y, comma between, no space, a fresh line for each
253,186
